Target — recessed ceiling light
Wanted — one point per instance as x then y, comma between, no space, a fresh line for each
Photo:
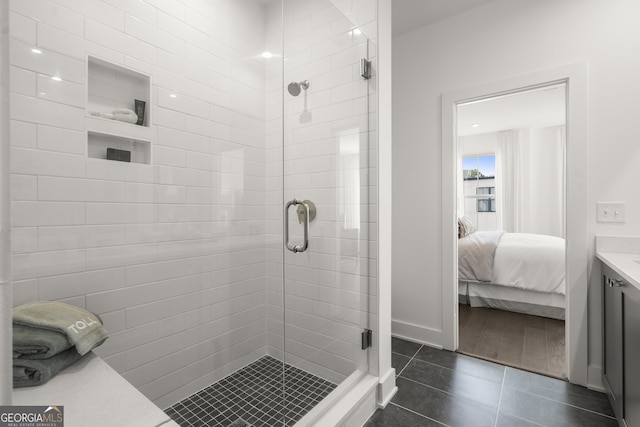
56,78
36,50
267,55
173,95
356,32
475,125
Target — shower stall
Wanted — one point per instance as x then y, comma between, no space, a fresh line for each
228,239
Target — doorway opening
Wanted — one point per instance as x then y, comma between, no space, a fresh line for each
574,77
510,193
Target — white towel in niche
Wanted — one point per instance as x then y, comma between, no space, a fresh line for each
120,114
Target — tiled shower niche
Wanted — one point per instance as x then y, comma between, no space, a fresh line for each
113,92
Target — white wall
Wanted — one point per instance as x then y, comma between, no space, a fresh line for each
499,40
480,144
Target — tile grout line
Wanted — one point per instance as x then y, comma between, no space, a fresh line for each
454,369
449,393
429,386
527,421
532,394
504,376
503,392
567,404
417,413
410,360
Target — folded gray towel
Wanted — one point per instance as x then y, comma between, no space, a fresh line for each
81,328
30,372
37,343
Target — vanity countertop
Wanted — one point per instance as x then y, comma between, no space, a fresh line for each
622,254
94,394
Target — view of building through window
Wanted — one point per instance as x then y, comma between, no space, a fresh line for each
479,189
489,204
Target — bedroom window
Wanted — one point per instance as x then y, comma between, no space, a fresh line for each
488,204
478,167
478,188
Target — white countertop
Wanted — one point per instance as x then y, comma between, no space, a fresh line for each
622,254
94,394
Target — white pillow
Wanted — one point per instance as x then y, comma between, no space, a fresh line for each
465,227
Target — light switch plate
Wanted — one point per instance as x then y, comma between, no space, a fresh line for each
611,212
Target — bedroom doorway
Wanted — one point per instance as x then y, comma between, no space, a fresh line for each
573,79
511,179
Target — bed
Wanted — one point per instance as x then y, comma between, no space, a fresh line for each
518,272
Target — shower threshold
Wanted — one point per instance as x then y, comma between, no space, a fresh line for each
253,396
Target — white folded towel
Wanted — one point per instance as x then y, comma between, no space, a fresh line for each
120,114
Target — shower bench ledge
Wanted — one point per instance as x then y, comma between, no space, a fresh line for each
94,394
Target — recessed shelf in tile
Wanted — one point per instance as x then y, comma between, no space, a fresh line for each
99,143
112,88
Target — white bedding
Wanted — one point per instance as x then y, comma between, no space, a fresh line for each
476,255
512,299
530,261
525,261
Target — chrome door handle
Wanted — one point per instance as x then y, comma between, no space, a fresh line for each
288,245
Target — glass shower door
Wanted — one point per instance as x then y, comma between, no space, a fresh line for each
325,199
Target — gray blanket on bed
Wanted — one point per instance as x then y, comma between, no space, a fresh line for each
475,255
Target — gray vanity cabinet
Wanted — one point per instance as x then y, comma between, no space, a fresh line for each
621,373
613,341
632,357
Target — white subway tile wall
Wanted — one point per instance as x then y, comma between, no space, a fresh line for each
166,253
182,257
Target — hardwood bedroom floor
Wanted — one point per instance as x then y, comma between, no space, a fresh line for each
522,341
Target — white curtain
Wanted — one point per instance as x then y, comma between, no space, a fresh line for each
509,181
562,178
530,181
460,182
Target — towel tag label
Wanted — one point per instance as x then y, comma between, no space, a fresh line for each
81,324
32,416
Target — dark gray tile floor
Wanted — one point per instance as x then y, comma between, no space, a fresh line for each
443,388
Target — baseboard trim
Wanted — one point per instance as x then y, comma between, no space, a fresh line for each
416,333
594,378
387,388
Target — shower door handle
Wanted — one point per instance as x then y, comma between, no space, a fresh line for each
305,244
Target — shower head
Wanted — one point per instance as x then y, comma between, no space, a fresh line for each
294,87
